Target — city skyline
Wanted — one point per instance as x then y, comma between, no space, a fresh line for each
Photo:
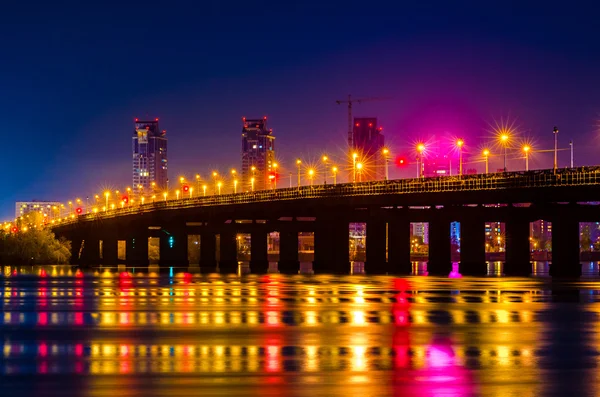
442,77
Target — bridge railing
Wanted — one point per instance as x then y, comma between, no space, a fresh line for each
506,180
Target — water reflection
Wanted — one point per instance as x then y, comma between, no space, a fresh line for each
307,334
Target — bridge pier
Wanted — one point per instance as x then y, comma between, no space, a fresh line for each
472,247
288,252
76,244
332,246
565,247
137,249
228,252
518,262
376,262
208,252
259,260
110,252
439,263
399,246
173,246
91,252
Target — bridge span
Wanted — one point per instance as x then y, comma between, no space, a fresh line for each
565,198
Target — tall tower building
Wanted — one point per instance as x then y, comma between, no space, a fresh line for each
149,145
368,142
258,154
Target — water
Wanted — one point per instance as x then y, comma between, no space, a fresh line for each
146,334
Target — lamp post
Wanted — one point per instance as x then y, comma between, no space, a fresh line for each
177,194
555,131
571,147
215,175
359,167
459,144
191,192
504,139
165,194
420,150
204,190
219,184
233,172
386,158
252,183
526,149
106,195
354,157
486,155
275,165
311,174
298,164
325,158
334,170
198,181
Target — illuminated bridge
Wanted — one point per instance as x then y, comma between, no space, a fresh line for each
210,225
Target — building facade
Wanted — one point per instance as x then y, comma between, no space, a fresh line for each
368,142
258,155
149,145
50,209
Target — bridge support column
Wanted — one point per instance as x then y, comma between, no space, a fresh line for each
472,247
91,252
517,248
376,262
208,252
565,247
439,247
259,261
399,246
288,252
332,247
173,246
228,249
110,253
76,245
137,250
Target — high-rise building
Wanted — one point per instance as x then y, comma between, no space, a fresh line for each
258,155
368,143
149,157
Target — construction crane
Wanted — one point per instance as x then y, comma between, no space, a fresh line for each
350,101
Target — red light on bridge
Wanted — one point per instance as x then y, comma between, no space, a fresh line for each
125,199
79,211
401,161
186,188
15,229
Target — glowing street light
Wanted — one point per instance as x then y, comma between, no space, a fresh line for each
459,144
204,190
106,195
235,182
325,158
252,184
526,149
359,167
275,165
177,194
181,180
165,195
334,169
191,192
298,164
215,175
143,199
486,155
504,138
420,150
219,184
311,174
198,181
386,157
354,157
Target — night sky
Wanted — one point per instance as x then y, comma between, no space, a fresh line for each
72,79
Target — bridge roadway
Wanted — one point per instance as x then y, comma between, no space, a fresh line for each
387,207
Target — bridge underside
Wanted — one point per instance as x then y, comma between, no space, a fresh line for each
219,238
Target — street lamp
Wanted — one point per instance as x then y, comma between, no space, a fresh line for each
215,175
204,190
198,181
459,144
165,194
354,157
420,150
219,184
386,158
181,180
555,131
334,170
191,192
526,149
177,194
106,195
235,182
486,155
298,164
325,158
275,165
252,184
504,139
359,167
311,174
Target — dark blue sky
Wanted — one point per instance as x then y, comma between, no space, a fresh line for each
73,77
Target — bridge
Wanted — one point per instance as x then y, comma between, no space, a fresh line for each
210,224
